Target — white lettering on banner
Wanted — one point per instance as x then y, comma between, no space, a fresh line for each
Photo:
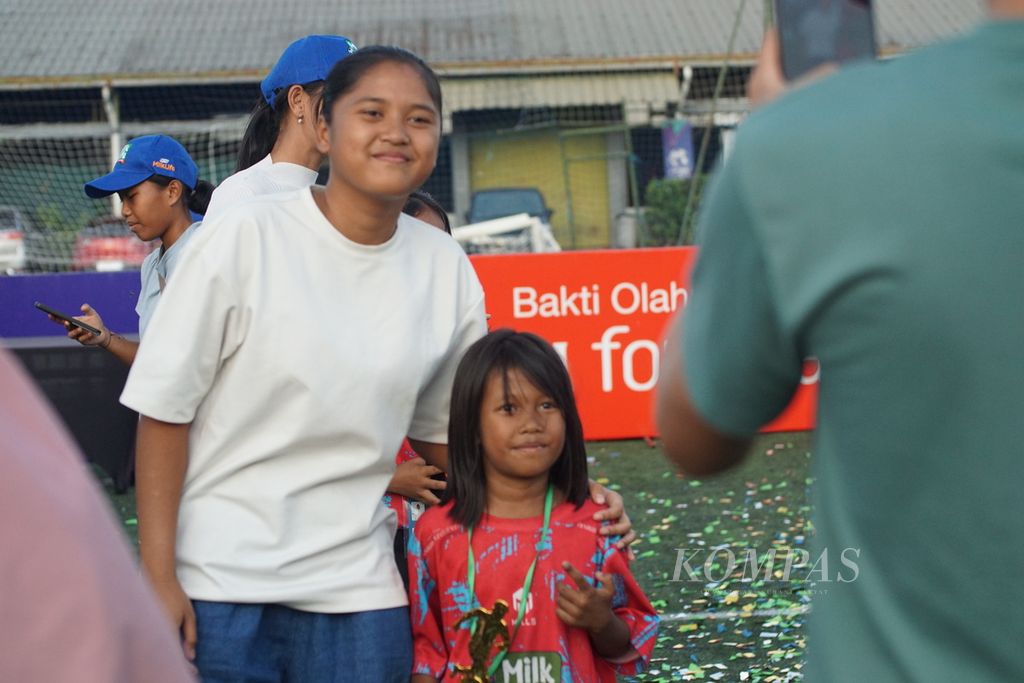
605,347
628,298
528,303
628,375
608,344
562,349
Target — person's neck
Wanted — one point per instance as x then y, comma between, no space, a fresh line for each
175,231
1006,9
362,219
293,148
517,498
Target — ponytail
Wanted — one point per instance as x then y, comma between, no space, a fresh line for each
198,199
265,124
260,134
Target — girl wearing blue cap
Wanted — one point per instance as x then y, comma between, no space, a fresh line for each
160,192
278,151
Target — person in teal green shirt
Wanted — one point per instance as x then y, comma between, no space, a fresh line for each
875,220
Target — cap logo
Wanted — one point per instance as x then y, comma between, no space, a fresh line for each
165,164
124,153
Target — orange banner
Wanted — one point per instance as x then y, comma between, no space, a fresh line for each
605,312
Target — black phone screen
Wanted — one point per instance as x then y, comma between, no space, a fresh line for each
67,318
814,32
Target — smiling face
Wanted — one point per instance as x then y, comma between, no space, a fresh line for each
149,209
384,133
522,429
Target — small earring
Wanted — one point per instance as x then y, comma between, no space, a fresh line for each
300,118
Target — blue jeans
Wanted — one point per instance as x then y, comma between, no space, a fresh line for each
242,643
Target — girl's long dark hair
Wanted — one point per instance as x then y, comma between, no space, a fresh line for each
196,200
265,125
347,73
500,352
420,201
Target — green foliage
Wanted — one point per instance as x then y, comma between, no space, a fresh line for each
55,231
50,218
666,209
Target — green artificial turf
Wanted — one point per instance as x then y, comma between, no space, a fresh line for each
761,505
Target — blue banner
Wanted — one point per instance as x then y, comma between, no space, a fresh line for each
677,149
112,295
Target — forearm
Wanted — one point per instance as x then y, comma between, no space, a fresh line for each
612,641
161,460
121,348
434,453
423,678
395,485
687,439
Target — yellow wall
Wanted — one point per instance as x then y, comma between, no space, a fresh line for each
535,160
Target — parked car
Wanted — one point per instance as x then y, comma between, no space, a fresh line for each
498,202
485,233
13,224
107,244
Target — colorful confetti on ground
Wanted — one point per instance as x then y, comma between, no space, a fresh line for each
722,623
692,558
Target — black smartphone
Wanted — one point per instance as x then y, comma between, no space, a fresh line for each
67,318
815,32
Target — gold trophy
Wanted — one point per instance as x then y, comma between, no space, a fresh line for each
490,626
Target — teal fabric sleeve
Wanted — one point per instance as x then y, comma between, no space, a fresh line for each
741,367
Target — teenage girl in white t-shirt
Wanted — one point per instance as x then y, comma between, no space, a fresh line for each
310,332
279,153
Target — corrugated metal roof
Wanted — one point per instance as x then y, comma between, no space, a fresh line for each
76,41
559,90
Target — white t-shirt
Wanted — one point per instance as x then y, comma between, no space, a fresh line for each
302,359
156,272
262,178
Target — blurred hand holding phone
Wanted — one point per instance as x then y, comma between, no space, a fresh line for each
66,319
810,39
816,32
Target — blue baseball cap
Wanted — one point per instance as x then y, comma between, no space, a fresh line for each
304,61
142,158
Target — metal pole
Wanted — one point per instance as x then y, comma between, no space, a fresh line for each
567,181
211,157
684,229
112,107
634,187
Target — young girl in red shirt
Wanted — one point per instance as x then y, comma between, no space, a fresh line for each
510,578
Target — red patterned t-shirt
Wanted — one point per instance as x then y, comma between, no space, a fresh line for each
407,510
545,649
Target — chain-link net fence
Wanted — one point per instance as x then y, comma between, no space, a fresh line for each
608,154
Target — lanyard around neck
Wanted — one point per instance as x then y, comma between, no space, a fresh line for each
545,531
